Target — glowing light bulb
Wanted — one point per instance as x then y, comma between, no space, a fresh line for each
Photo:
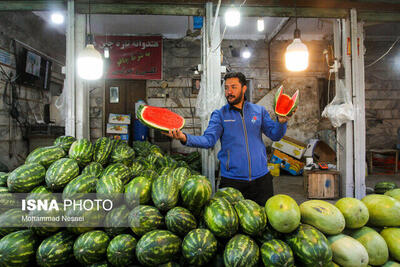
90,63
232,17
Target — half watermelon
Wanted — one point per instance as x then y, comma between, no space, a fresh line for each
284,105
160,118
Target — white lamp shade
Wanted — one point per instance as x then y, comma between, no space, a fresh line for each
260,24
296,56
90,63
232,17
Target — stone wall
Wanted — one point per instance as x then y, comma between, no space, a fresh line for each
382,94
21,26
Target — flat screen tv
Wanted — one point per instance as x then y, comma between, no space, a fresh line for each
33,70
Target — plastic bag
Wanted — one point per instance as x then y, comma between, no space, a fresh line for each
340,110
61,104
206,105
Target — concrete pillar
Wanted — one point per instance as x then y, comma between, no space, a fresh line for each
70,71
357,51
76,90
211,61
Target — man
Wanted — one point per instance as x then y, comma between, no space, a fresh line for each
240,125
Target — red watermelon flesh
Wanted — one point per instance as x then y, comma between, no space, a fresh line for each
160,118
284,105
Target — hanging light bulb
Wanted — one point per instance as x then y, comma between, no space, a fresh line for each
106,52
296,56
246,52
90,61
232,17
57,18
260,24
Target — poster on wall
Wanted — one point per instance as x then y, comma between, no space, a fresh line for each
132,57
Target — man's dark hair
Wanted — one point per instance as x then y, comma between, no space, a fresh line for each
239,75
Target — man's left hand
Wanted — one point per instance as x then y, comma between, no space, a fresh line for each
283,119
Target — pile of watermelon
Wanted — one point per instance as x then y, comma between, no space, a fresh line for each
174,220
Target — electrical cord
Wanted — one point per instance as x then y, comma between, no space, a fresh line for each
387,52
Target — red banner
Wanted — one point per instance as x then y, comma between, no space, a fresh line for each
132,57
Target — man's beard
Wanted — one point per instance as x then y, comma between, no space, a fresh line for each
236,100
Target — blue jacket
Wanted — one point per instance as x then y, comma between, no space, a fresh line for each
242,154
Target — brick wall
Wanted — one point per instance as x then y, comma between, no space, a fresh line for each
382,94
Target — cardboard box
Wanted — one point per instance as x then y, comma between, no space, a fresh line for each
287,163
290,146
119,118
117,128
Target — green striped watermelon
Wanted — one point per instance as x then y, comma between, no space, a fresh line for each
147,165
26,177
152,158
81,151
64,142
91,247
310,246
94,168
382,187
40,192
231,194
60,173
18,249
283,213
56,250
168,171
180,221
3,179
121,250
80,186
99,264
166,161
48,227
45,156
240,251
165,193
199,247
110,187
252,217
157,247
150,174
136,169
143,219
138,192
92,219
102,150
276,253
181,174
11,221
123,154
221,217
347,251
378,252
8,200
195,193
116,221
268,234
118,170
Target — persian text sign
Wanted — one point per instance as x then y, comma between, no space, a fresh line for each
133,57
